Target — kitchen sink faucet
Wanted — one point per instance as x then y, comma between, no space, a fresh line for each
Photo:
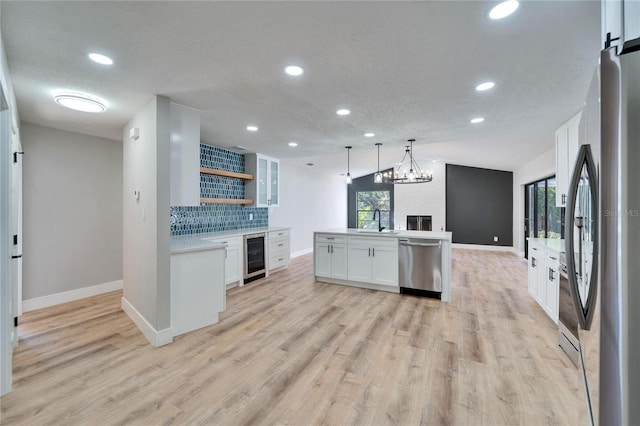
380,227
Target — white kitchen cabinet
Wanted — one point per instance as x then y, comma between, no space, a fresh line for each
331,257
278,249
185,156
373,260
621,19
567,144
233,259
543,278
198,293
264,189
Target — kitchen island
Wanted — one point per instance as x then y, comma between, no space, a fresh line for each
369,259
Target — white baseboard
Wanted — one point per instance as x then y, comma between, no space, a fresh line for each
484,247
155,337
301,252
69,296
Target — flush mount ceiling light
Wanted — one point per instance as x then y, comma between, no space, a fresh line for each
477,120
293,144
349,180
343,112
101,59
80,102
369,135
377,178
408,171
294,70
503,9
252,128
485,86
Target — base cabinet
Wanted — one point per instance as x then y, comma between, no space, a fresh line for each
373,260
278,250
233,258
543,278
331,257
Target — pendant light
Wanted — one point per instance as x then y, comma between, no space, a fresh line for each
377,178
408,171
348,174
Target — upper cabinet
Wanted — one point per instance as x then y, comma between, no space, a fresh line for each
621,18
265,188
567,144
185,156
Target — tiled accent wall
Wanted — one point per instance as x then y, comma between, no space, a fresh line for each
218,217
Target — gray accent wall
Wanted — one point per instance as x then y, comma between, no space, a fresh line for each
479,205
72,197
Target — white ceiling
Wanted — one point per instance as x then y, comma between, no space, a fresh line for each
405,69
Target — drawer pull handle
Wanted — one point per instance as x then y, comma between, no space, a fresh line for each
281,259
280,245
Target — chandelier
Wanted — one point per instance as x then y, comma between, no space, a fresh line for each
408,171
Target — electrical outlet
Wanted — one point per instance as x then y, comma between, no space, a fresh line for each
495,239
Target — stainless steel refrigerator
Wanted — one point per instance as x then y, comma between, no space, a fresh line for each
609,307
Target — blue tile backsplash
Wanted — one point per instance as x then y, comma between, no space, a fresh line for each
218,217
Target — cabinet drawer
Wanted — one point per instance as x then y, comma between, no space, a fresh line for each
229,242
278,261
324,238
373,242
278,247
279,234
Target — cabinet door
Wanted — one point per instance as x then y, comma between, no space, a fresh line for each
274,182
232,265
552,293
339,261
533,272
323,260
359,268
385,266
263,180
541,288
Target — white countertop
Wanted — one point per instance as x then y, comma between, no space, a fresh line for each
197,242
396,234
553,244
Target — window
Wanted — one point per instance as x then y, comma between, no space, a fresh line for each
542,218
367,202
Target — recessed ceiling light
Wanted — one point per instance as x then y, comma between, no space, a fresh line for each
252,128
101,59
477,120
504,9
485,86
293,143
80,102
294,70
343,112
369,135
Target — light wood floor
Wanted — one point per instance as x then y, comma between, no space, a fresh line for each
292,351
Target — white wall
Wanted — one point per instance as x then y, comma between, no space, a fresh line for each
72,211
540,167
423,199
146,277
309,201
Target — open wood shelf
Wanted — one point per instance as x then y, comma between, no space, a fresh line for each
225,201
225,173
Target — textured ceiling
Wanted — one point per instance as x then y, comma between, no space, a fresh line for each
405,69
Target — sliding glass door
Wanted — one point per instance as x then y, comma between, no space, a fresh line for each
542,219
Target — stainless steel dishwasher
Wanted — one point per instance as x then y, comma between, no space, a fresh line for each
420,266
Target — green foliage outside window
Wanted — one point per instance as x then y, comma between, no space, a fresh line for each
367,202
